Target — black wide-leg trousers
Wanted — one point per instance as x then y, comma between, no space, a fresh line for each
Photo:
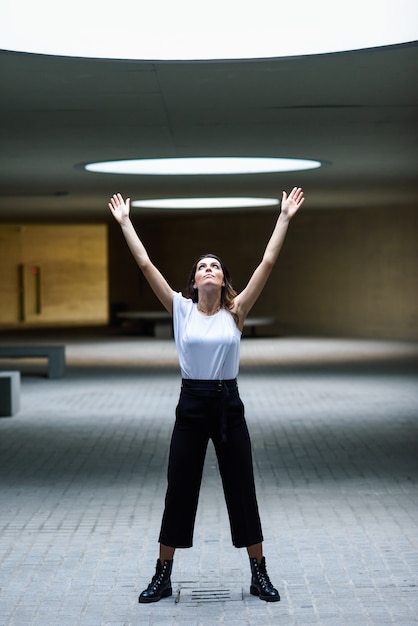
210,410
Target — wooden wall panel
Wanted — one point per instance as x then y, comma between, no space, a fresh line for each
65,274
10,258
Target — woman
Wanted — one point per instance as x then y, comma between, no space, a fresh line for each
207,331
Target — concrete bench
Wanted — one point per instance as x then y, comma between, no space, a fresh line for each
253,322
160,322
157,323
54,354
9,393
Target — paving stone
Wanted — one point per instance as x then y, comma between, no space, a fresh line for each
83,474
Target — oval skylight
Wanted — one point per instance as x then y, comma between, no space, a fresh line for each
190,30
202,166
204,203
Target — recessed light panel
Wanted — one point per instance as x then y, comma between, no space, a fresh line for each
204,203
202,166
190,30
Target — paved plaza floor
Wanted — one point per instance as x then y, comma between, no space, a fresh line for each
334,427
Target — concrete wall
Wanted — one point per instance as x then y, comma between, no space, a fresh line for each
345,273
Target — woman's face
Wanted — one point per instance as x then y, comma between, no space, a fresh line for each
208,272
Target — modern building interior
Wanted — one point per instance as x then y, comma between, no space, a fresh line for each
328,370
349,265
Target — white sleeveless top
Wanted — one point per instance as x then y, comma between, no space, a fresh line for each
208,346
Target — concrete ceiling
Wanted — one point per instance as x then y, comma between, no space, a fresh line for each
356,112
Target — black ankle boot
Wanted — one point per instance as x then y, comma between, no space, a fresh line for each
260,582
160,585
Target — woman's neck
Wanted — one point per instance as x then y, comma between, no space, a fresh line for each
208,307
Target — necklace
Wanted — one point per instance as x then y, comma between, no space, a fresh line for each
199,308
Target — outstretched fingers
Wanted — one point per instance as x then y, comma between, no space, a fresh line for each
117,201
292,202
296,194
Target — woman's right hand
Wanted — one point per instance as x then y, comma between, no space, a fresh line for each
119,208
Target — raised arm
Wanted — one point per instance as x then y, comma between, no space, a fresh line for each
120,211
245,300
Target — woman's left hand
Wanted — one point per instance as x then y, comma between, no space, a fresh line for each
291,203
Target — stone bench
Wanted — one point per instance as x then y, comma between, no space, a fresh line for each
55,355
156,323
160,322
9,393
254,322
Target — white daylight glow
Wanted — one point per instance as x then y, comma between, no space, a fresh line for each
204,203
195,166
164,30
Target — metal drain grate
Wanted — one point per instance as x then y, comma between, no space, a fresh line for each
208,594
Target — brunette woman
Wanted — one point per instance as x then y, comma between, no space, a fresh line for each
207,331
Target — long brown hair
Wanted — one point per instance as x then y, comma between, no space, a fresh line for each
228,293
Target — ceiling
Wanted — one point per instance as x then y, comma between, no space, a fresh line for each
356,112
